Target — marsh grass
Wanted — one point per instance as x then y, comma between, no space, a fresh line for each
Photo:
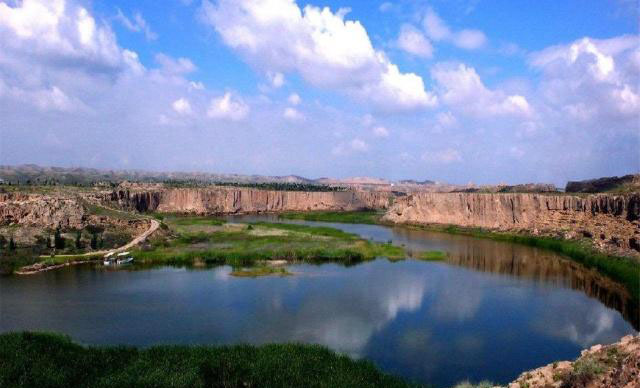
262,270
350,217
51,360
261,241
432,256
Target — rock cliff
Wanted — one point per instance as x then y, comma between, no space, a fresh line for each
612,221
223,200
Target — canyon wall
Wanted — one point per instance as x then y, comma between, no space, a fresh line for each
223,200
612,221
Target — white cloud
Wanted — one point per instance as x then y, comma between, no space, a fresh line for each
59,33
460,87
228,107
359,145
592,80
294,99
276,79
414,42
380,131
324,48
175,66
444,156
438,30
182,106
446,119
138,24
293,114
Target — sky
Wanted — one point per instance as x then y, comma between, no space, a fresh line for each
455,91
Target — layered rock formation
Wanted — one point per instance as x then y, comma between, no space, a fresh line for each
612,221
222,200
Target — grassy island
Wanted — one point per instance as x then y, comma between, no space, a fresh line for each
208,241
51,360
351,217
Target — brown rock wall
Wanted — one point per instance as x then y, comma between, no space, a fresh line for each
239,200
612,221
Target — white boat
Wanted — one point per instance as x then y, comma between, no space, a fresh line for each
125,260
109,259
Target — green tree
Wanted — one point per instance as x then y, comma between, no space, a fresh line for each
94,241
12,244
58,240
3,241
79,240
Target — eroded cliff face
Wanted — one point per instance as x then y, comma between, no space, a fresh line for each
611,221
41,210
221,200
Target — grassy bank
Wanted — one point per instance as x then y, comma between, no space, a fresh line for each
354,217
49,360
242,245
621,269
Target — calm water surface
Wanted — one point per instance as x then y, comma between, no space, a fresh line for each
491,311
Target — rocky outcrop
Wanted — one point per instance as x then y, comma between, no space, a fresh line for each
612,221
601,366
223,200
41,210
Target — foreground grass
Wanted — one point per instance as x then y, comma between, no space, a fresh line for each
242,245
353,217
50,360
620,269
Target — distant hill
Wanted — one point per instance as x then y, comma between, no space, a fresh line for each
626,183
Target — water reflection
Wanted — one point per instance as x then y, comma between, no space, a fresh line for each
492,311
496,257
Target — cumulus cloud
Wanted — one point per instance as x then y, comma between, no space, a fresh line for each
592,80
414,42
276,79
175,65
292,114
228,107
438,30
182,106
460,87
324,48
136,24
294,99
380,131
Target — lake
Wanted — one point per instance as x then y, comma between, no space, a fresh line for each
490,311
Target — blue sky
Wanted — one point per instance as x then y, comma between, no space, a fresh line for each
458,91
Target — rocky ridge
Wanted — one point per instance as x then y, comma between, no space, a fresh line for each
612,222
223,200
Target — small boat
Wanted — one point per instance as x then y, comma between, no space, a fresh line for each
123,259
109,259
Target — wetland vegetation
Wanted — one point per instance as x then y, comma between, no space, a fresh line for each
47,360
198,240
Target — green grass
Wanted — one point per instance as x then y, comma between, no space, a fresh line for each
351,217
242,245
262,270
620,269
50,360
432,255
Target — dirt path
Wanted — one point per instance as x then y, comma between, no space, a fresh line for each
40,267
